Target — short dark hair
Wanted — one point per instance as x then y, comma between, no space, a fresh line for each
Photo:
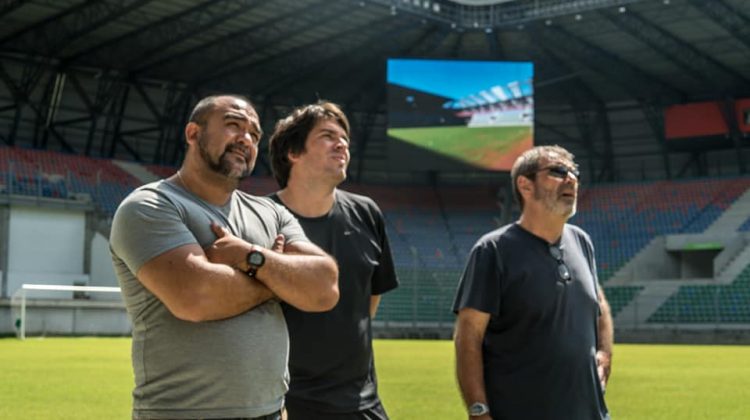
291,132
528,164
205,106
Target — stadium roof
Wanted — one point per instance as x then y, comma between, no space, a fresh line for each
668,50
287,52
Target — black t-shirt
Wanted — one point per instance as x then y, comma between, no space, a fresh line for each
330,358
540,344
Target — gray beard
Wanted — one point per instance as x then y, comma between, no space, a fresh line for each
556,207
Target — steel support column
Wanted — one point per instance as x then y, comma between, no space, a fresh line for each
655,117
730,118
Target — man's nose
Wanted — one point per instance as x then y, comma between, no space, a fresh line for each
247,139
570,176
571,181
342,144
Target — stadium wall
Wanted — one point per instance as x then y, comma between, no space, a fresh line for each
683,335
44,244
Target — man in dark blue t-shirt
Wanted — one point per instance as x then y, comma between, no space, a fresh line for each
534,331
331,359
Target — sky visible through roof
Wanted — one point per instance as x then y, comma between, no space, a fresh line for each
457,79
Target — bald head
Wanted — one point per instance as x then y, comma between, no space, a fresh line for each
207,105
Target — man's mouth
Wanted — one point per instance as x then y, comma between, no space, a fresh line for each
340,157
239,151
568,194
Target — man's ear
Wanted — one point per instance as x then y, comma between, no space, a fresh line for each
293,157
192,132
525,186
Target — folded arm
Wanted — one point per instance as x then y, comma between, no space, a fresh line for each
196,289
303,276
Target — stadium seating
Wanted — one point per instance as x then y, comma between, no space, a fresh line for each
619,297
161,171
432,229
48,174
745,226
57,175
708,304
624,218
423,297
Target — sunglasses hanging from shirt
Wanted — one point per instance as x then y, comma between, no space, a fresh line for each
562,269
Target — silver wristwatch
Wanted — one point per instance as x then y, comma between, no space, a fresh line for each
478,409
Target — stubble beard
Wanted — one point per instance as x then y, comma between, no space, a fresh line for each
554,205
336,174
341,175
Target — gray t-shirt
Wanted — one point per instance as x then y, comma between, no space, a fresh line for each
235,367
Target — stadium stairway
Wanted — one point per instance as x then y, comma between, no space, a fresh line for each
653,294
137,170
643,263
733,217
625,275
728,224
736,266
646,303
658,288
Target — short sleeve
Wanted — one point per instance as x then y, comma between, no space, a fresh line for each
384,278
146,225
588,248
289,225
592,264
479,286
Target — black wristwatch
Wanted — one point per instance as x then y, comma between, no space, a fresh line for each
255,260
478,409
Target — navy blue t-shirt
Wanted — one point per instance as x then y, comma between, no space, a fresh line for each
330,358
540,345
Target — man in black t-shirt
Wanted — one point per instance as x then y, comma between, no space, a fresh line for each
534,333
330,359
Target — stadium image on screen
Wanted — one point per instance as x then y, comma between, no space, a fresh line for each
480,113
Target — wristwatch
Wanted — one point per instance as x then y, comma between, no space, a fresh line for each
478,409
255,260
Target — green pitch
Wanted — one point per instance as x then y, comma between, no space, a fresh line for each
90,378
486,147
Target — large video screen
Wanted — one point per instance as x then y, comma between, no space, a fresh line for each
445,114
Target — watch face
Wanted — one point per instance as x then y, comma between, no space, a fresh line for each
478,409
256,258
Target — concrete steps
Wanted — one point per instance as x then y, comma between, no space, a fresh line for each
654,294
735,267
733,217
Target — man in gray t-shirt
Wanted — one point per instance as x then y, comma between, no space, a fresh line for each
191,249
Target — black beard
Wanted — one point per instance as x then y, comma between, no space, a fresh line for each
222,165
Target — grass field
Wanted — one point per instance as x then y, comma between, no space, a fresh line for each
90,378
487,147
